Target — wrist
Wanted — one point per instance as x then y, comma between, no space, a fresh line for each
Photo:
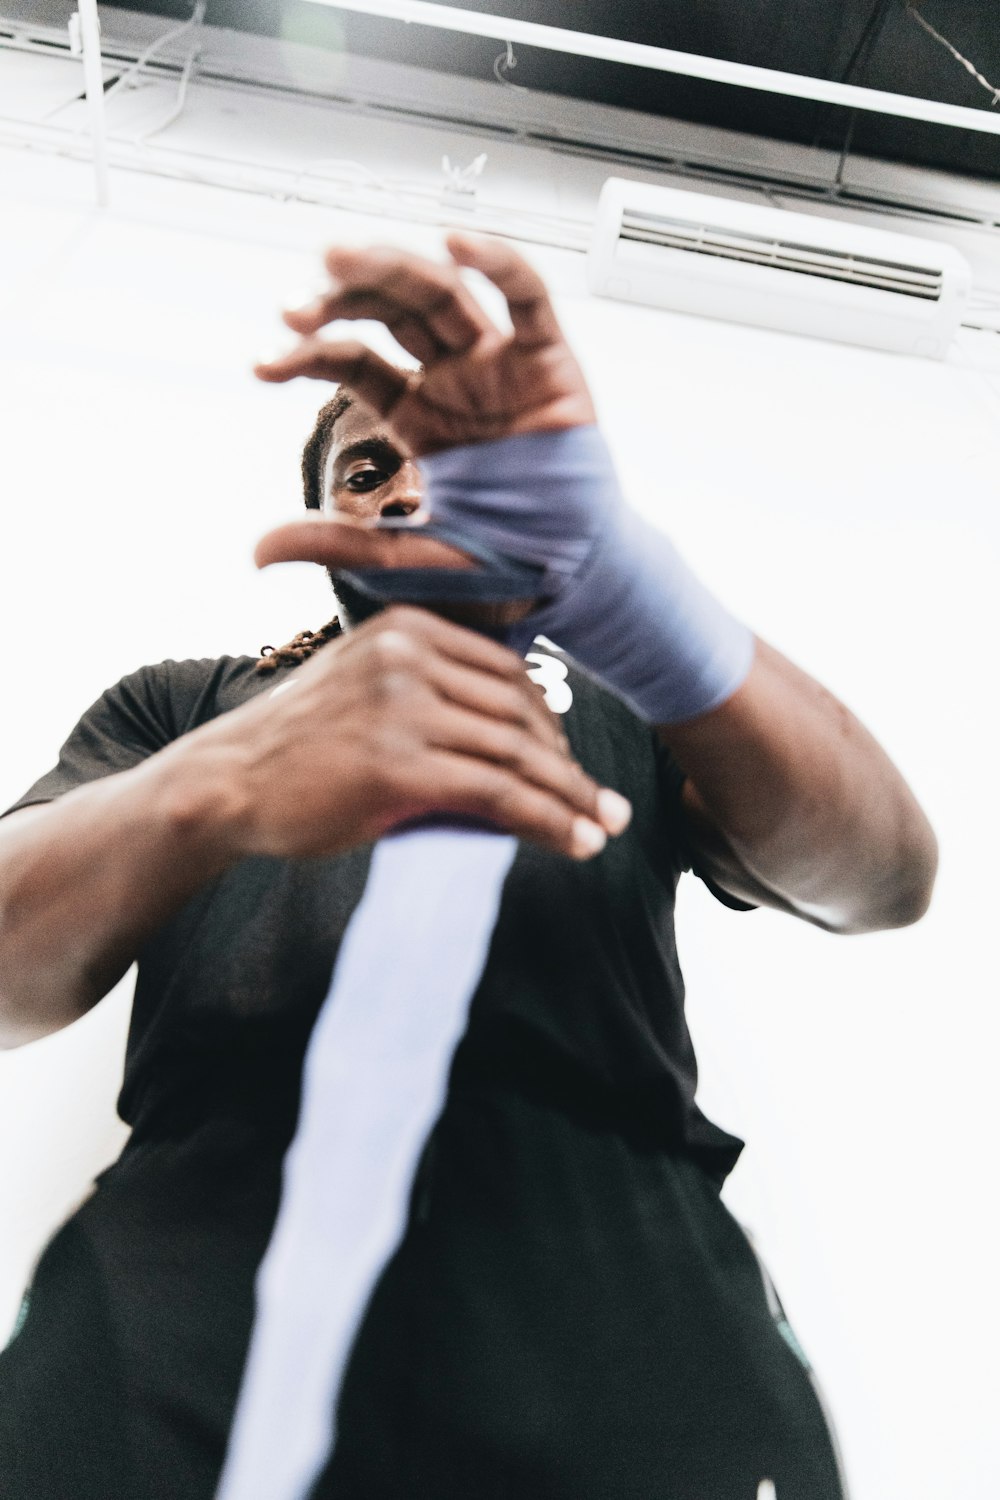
201,795
540,497
618,596
644,622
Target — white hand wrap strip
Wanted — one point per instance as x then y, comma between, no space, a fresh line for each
375,1079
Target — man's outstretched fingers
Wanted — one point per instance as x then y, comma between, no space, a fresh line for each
516,705
408,328
531,312
398,282
374,379
500,796
457,641
521,750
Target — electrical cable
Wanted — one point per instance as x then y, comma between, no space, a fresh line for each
197,21
870,33
194,19
966,64
126,78
863,47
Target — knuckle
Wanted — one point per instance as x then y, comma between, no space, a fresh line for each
517,749
410,623
499,797
389,760
441,295
529,706
380,771
542,723
395,692
357,358
393,649
405,619
584,789
523,721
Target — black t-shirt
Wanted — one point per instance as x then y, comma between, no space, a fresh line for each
582,997
569,1286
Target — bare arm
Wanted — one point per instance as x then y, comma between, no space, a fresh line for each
792,804
85,880
409,715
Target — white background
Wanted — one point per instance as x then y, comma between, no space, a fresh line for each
843,501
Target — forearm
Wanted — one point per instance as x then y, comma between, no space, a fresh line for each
792,802
410,716
85,880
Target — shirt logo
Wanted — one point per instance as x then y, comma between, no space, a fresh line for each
550,674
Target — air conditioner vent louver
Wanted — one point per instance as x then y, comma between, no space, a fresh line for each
699,238
747,262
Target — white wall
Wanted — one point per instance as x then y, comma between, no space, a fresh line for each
843,501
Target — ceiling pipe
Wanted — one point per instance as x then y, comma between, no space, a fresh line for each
663,60
88,27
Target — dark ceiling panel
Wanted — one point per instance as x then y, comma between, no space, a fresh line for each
875,43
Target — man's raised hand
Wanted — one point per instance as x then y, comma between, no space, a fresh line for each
409,716
478,382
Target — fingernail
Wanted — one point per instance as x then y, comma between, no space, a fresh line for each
308,309
304,294
273,357
614,811
588,838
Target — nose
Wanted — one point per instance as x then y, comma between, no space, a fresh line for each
404,495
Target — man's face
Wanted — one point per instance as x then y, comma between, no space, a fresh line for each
367,476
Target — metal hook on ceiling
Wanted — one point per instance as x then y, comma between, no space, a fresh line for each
502,64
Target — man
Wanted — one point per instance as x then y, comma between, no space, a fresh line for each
572,1312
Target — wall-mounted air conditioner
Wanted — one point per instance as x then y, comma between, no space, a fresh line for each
747,263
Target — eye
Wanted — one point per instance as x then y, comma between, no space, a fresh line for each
368,478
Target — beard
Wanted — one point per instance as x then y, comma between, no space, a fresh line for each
355,607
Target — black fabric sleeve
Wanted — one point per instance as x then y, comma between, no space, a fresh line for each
129,722
671,780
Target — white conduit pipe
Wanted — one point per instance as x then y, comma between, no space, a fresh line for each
93,76
374,1082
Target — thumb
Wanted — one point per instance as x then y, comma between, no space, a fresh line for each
336,542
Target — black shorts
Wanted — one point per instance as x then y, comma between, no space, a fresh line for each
573,1315
587,1321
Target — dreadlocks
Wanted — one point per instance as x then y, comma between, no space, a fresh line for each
299,648
314,456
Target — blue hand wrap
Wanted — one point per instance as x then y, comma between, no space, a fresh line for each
620,599
543,517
